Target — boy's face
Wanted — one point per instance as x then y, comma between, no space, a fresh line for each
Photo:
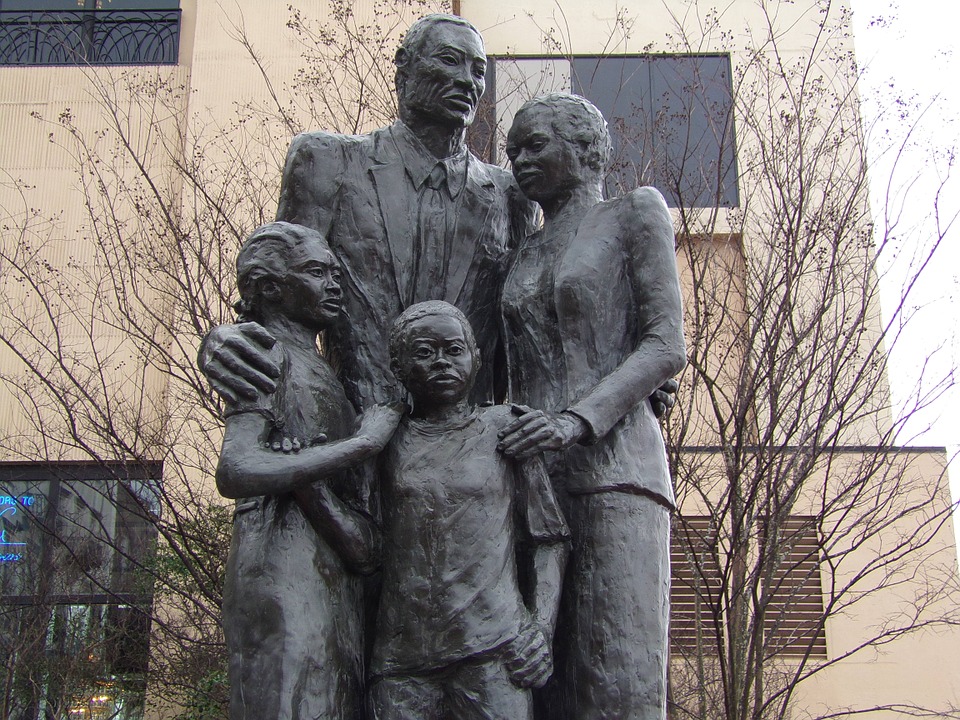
311,291
436,364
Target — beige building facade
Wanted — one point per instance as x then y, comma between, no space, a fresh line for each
815,568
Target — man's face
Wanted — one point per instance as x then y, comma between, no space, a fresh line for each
436,364
311,292
445,81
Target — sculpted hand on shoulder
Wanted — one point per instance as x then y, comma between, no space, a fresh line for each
536,431
236,360
378,424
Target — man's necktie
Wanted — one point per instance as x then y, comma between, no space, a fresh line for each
429,282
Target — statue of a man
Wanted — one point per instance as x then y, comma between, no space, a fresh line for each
409,212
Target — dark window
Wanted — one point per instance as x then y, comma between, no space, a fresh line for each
101,32
75,602
670,118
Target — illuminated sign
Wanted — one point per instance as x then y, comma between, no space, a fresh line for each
10,550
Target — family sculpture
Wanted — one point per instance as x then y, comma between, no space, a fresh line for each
515,516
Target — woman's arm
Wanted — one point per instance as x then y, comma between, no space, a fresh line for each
646,233
660,352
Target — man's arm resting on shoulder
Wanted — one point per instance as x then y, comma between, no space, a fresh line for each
234,357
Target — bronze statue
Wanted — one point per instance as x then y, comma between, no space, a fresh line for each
594,325
410,213
291,608
454,638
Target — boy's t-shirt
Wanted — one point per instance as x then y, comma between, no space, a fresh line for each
454,509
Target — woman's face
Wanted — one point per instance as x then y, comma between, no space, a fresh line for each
545,164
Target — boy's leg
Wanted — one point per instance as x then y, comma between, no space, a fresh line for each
482,690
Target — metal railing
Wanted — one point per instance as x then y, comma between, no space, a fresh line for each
94,37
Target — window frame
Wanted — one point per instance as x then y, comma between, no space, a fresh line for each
490,113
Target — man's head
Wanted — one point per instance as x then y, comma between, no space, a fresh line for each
440,71
433,352
290,271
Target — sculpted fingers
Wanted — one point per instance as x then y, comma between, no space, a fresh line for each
664,397
540,439
526,416
237,361
531,433
256,333
537,432
248,363
529,662
230,386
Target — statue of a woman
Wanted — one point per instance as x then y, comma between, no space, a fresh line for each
594,326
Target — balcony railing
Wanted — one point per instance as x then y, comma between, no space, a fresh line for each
94,37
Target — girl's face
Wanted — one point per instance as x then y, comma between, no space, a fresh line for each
545,165
310,292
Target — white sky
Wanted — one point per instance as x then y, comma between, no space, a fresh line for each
912,50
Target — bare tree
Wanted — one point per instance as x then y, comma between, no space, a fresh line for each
798,509
800,512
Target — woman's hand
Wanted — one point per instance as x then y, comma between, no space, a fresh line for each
536,431
378,424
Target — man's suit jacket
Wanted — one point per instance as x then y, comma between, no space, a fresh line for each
351,189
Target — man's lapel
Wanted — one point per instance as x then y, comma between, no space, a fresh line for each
472,227
398,213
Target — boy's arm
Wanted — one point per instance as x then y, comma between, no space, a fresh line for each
531,663
549,561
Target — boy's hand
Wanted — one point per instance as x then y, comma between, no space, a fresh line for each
529,661
236,360
378,424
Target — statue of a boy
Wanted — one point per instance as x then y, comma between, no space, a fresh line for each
454,636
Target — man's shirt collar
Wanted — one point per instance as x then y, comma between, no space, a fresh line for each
419,162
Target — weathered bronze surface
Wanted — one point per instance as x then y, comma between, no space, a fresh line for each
461,513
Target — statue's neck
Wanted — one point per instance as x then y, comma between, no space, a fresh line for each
563,214
291,333
441,413
440,139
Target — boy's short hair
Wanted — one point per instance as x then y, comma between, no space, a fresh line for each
266,256
430,308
